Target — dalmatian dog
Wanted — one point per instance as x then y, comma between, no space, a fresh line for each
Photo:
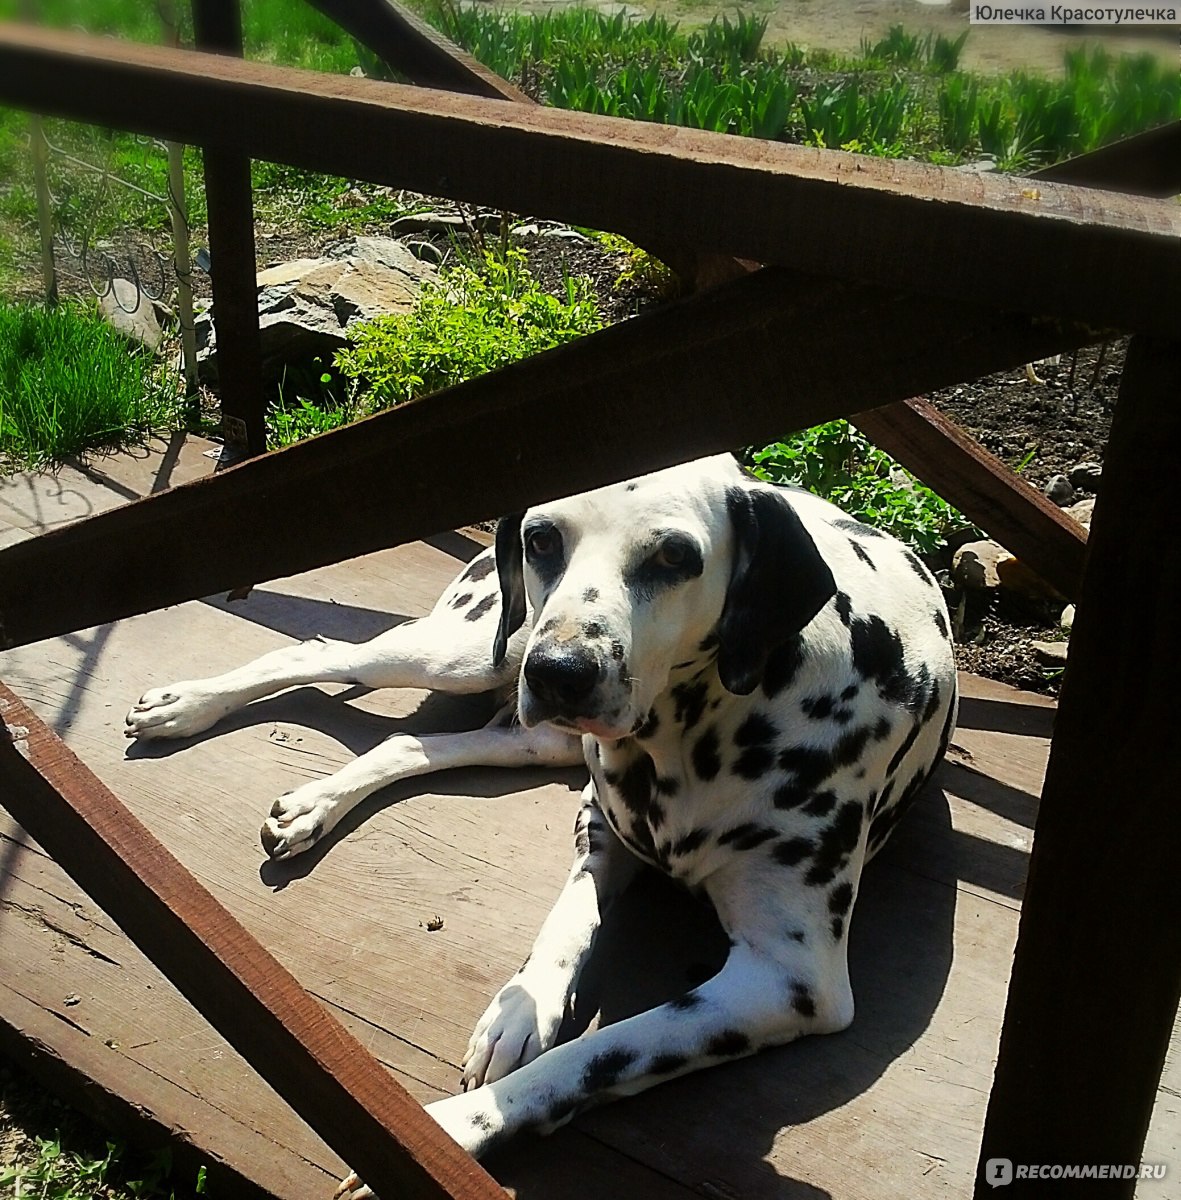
759,686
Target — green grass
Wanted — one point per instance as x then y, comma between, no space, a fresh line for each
47,1152
69,383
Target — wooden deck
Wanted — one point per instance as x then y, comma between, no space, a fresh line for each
893,1107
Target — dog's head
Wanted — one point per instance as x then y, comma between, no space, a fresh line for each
634,582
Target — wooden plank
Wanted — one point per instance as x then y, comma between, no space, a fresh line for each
415,49
985,489
229,197
1111,260
1097,970
1145,164
652,385
260,1008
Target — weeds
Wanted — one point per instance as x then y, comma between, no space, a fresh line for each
482,314
838,462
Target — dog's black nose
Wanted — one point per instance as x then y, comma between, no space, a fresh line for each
562,678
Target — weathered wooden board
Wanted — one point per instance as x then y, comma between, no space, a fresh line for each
742,363
1084,255
891,1108
1097,973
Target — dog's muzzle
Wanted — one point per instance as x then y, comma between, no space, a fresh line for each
562,681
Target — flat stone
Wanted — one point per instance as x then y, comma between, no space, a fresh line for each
1050,654
129,311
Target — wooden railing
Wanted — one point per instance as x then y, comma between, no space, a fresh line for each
888,279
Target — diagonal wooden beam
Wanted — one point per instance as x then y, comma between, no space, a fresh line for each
1145,164
742,363
310,1059
404,41
1112,261
983,488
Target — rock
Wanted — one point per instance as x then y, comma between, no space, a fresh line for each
1067,618
128,310
980,566
1086,476
974,565
1050,654
1019,579
306,306
1059,490
1082,512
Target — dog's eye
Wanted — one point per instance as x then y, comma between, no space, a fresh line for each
671,556
543,543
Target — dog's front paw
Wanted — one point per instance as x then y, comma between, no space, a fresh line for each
521,1022
298,821
181,710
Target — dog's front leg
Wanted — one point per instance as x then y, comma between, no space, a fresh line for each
524,1017
299,819
758,999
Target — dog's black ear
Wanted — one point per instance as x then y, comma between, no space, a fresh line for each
778,583
510,569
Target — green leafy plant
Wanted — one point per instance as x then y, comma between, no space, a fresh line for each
838,462
481,315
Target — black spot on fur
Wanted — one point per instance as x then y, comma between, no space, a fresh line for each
840,898
756,730
862,554
844,606
603,1071
838,928
783,666
650,725
837,841
754,762
856,527
693,840
655,814
812,767
917,567
706,758
817,707
480,568
932,702
797,935
617,651
801,1000
747,836
821,804
631,487
689,699
728,1044
481,609
482,1121
850,692
592,629
792,852
590,595
881,730
667,785
667,1064
941,623
462,600
686,1002
636,783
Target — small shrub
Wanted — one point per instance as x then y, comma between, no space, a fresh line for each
482,314
840,463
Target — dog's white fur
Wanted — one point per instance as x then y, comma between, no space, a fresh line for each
758,686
